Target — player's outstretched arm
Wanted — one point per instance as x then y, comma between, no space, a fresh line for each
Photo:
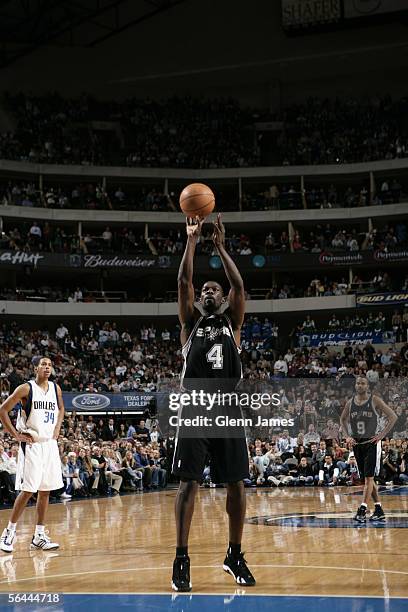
185,278
61,414
379,404
236,296
18,395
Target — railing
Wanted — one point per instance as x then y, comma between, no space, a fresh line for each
154,309
121,172
164,218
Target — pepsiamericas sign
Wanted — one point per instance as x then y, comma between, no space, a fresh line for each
341,338
391,256
340,259
382,299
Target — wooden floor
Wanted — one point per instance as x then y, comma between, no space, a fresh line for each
126,545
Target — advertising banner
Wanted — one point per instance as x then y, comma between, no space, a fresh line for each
92,402
122,261
382,299
302,13
341,338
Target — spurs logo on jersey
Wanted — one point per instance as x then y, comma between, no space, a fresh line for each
211,351
40,411
364,419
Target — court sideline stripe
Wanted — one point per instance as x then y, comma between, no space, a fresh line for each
150,569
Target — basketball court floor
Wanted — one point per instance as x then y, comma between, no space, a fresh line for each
301,544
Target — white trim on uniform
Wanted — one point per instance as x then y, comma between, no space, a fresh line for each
378,459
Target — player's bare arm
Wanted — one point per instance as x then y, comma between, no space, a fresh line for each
61,413
380,405
185,278
19,395
345,421
236,296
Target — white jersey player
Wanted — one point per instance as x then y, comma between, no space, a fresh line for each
39,464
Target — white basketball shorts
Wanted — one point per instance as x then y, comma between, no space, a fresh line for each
39,467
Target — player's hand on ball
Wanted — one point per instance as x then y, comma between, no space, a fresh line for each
193,226
219,232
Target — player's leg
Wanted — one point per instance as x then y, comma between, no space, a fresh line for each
359,453
368,489
236,508
8,536
184,511
188,464
230,465
27,482
374,493
40,538
51,480
378,514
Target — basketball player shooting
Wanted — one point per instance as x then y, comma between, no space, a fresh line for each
210,341
39,465
360,420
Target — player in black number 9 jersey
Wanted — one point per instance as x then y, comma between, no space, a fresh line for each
360,420
211,353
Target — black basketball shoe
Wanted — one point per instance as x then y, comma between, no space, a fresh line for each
361,514
378,515
181,575
237,567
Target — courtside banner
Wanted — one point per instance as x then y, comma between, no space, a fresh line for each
382,299
105,402
341,338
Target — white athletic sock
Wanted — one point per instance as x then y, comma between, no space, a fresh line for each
377,504
11,526
364,505
39,530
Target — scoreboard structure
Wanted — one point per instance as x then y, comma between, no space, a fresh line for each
312,14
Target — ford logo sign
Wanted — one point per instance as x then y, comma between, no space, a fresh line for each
93,401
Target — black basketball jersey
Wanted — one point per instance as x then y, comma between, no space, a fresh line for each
364,419
211,353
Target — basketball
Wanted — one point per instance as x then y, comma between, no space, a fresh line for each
197,199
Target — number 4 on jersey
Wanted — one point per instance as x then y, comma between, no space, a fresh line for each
215,357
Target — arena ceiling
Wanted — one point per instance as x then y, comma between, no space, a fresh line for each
26,25
122,48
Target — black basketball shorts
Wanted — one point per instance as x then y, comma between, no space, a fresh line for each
368,457
227,457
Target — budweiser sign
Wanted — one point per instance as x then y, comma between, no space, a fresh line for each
99,261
